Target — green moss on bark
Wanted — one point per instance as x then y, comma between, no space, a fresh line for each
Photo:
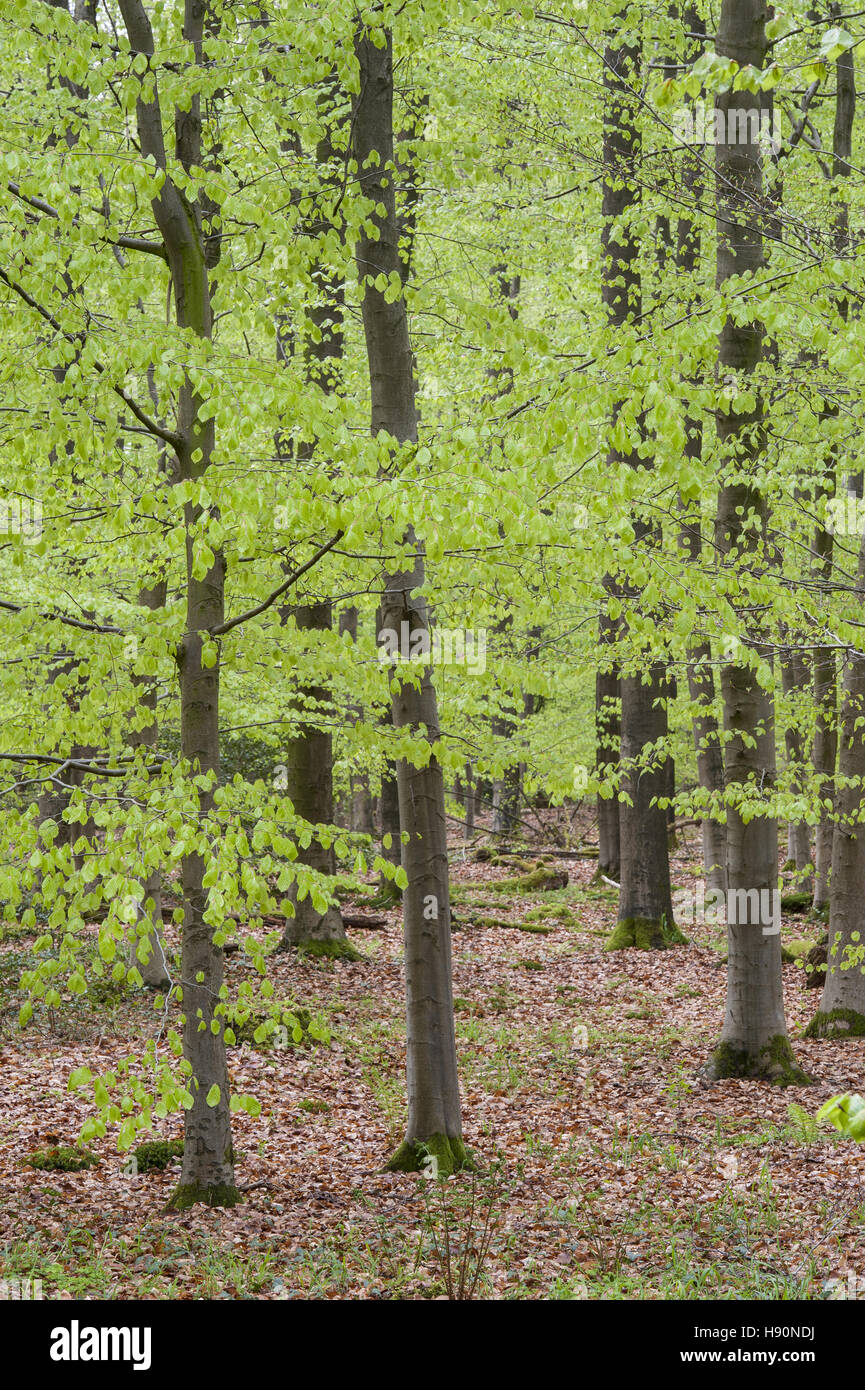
338,949
413,1156
190,1194
643,934
836,1024
774,1063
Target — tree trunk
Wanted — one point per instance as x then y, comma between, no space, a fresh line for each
434,1114
208,1158
645,898
149,952
795,679
701,679
470,802
710,763
360,804
608,734
309,769
842,1007
754,1038
825,675
309,756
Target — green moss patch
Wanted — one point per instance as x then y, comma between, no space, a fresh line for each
642,934
340,948
156,1156
836,1024
774,1062
438,1154
61,1159
314,1107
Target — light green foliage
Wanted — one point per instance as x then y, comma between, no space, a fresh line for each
510,487
847,1114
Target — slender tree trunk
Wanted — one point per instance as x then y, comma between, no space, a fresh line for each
754,1038
388,805
360,803
645,898
608,735
434,1112
825,675
208,1157
795,679
825,758
149,953
842,1006
710,762
470,802
309,755
701,679
309,768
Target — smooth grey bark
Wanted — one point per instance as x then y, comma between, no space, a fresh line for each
842,1006
208,1158
309,754
389,815
469,801
645,897
825,674
360,809
148,918
388,805
710,761
434,1111
754,1038
608,734
795,679
309,769
701,677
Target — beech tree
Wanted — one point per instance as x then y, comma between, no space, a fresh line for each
434,1113
754,1036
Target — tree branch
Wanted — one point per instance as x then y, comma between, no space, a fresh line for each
167,436
222,628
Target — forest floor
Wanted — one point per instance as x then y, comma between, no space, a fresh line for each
609,1170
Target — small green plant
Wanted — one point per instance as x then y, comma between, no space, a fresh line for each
461,1222
803,1124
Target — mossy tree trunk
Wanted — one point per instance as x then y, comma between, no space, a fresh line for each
434,1112
754,1038
207,1175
